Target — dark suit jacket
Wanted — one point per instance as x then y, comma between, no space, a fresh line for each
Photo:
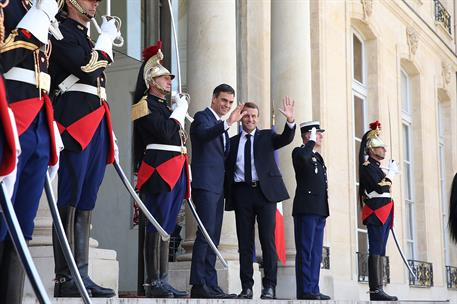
270,178
207,164
311,195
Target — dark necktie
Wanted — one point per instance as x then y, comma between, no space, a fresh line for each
227,143
247,160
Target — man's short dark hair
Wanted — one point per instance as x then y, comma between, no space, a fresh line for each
251,105
225,88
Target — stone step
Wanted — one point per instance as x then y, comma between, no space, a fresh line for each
217,301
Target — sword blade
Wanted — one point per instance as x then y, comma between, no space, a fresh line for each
57,222
402,255
165,236
205,233
22,250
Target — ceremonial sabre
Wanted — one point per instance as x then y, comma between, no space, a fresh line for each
54,28
21,246
165,236
392,226
63,241
190,119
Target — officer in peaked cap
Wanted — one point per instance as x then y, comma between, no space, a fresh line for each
378,206
310,210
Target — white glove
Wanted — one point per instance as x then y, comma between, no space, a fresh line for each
38,20
180,111
393,169
105,40
116,149
313,135
10,179
52,170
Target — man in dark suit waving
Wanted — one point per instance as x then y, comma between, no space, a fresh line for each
309,211
210,145
253,187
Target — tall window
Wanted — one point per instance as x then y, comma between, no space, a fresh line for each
443,190
408,176
359,100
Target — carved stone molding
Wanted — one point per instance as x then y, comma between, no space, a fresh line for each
413,41
446,73
367,8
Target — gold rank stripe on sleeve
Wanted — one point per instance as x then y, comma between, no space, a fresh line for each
385,182
94,63
140,109
11,44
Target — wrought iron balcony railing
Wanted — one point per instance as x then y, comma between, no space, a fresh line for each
451,275
442,16
325,262
423,272
362,262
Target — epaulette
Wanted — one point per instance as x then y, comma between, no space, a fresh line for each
140,109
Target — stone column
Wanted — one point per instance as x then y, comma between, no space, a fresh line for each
290,75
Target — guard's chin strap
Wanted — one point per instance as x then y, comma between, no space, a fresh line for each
80,9
159,87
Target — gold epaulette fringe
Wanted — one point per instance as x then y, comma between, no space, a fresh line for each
140,109
385,182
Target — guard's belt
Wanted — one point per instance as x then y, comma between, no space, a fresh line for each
374,194
79,87
30,77
180,149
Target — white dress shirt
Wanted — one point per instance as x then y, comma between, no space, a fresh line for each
239,168
226,126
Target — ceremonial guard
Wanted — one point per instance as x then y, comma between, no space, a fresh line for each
378,206
83,118
161,160
310,211
24,54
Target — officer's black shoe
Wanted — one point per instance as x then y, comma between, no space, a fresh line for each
176,293
324,297
222,294
66,288
380,295
98,291
246,293
157,290
309,296
203,292
268,293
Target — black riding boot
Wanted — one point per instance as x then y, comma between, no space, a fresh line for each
65,285
12,275
164,250
82,235
153,285
375,277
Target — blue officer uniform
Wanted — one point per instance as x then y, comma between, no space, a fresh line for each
83,118
310,211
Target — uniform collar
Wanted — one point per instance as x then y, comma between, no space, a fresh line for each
78,25
374,161
158,99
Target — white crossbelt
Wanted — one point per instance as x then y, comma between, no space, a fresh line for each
79,87
180,149
29,76
374,194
